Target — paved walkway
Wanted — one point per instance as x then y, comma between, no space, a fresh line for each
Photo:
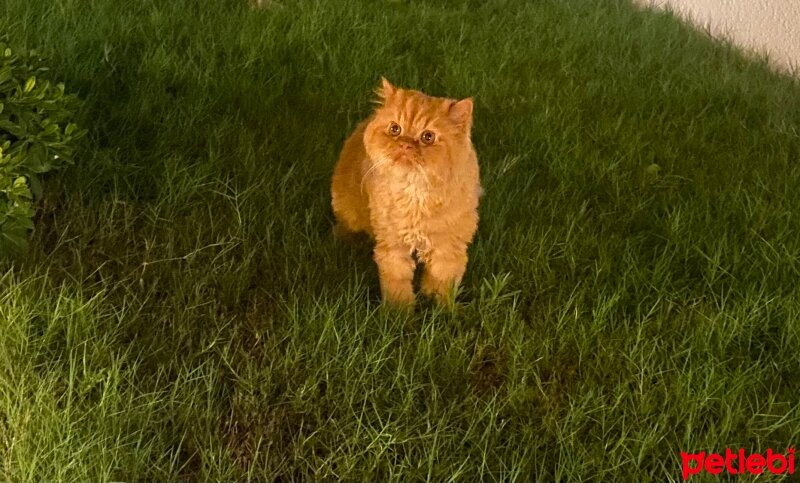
771,26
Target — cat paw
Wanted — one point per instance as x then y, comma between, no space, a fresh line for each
443,292
403,302
398,294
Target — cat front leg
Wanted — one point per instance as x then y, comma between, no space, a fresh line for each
444,268
396,271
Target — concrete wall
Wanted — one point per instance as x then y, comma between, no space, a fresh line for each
771,26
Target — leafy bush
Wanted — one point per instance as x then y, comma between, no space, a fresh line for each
36,136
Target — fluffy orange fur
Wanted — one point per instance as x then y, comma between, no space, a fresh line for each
408,176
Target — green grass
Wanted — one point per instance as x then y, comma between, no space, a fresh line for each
184,313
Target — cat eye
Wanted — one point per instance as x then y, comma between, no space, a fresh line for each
394,129
427,137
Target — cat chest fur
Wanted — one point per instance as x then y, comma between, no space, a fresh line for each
414,204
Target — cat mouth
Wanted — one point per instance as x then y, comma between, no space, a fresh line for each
404,157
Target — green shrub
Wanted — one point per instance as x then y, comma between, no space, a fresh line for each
36,136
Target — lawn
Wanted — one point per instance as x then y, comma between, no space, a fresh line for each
183,311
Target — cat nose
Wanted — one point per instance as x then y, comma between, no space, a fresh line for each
407,144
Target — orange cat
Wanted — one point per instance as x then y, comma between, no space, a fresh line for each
408,176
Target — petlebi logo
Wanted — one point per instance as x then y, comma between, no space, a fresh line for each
737,463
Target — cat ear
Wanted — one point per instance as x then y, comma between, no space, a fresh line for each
461,113
386,90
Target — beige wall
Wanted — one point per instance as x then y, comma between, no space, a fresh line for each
771,26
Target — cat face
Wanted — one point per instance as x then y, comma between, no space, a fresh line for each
411,128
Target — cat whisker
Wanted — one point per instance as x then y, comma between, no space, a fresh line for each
364,178
423,173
